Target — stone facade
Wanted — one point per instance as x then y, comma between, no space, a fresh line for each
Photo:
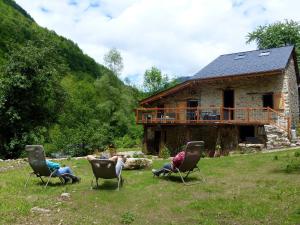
248,93
276,137
290,91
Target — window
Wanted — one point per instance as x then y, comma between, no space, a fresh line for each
268,101
264,53
240,56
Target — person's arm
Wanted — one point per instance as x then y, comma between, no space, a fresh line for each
178,159
52,165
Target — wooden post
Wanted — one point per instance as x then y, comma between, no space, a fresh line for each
221,113
269,116
248,114
289,127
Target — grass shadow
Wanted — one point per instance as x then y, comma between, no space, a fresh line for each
106,185
177,179
286,170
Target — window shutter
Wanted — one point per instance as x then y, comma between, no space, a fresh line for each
278,101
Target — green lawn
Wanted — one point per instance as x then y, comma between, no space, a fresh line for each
246,189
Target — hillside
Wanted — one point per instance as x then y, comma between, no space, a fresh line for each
76,104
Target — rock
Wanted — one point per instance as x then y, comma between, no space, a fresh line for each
1,160
132,154
293,145
251,147
65,196
40,210
137,163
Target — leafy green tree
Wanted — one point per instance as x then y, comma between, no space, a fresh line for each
114,61
154,81
277,35
31,96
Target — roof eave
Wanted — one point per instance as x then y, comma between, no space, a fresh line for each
189,82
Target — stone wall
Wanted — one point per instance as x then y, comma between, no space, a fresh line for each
276,137
290,91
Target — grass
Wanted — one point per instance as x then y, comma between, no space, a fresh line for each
247,189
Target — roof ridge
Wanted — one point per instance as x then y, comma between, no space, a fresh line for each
265,49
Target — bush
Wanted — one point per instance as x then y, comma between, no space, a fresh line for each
164,153
126,142
297,154
127,218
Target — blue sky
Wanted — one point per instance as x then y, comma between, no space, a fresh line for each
177,36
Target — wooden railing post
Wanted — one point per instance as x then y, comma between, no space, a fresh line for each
248,114
269,115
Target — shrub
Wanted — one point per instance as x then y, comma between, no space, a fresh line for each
164,153
126,142
127,218
297,154
275,157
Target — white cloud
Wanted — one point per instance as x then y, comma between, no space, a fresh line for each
179,37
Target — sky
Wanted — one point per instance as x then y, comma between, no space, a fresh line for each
177,36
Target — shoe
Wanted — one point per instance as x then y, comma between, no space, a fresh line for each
155,172
76,179
66,179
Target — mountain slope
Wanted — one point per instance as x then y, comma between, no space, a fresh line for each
84,105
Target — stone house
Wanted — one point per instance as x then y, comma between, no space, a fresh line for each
245,97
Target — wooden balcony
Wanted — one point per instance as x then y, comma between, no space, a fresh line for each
212,116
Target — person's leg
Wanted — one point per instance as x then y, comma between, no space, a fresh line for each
119,166
114,158
164,169
90,157
65,169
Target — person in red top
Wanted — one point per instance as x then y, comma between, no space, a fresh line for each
176,162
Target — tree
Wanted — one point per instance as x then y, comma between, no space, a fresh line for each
31,96
276,35
114,61
154,81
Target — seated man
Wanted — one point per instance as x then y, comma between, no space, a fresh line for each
120,160
176,162
66,171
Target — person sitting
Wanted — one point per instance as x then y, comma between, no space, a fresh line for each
119,160
66,172
176,162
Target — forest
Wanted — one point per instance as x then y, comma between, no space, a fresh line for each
51,93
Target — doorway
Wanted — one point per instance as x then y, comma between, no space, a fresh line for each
192,113
247,133
268,101
228,102
157,136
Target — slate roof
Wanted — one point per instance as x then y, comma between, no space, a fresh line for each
246,63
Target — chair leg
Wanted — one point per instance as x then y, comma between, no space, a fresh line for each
187,175
119,181
42,179
97,183
30,174
50,178
182,179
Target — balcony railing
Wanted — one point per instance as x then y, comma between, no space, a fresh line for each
212,115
